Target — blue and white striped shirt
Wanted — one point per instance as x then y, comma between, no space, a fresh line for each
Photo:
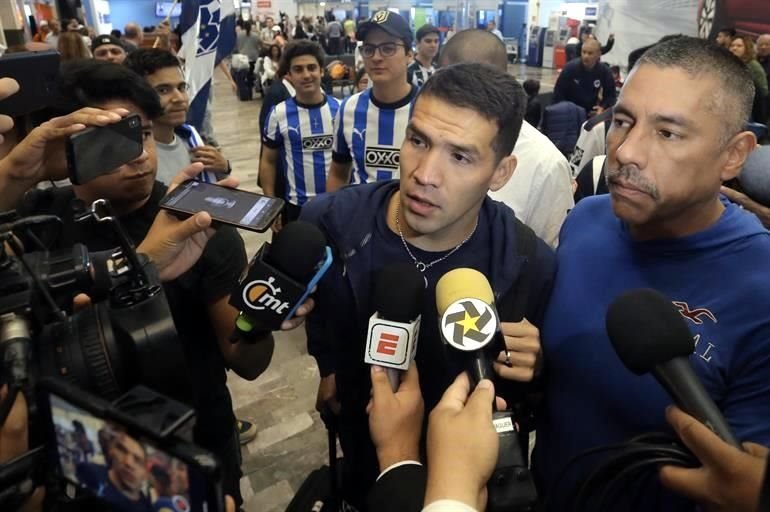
369,133
304,134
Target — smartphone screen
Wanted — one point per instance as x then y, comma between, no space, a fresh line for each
235,207
100,150
125,471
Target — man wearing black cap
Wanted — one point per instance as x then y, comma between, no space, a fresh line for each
106,47
427,49
370,125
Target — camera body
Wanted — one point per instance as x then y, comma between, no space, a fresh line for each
113,361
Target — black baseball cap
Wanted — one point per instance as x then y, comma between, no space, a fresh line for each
388,21
106,39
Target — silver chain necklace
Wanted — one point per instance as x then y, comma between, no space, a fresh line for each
422,267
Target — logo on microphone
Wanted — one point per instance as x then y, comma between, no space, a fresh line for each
260,295
389,344
468,324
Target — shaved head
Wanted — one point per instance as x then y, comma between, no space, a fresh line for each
592,43
475,46
763,45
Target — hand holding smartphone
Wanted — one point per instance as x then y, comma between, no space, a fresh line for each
100,150
238,208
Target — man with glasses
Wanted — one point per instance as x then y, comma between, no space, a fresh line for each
178,144
370,125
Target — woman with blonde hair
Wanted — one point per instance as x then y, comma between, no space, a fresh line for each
71,46
743,48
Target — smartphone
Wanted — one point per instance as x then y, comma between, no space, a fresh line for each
100,150
124,468
233,207
37,74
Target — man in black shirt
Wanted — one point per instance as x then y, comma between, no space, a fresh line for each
198,298
587,82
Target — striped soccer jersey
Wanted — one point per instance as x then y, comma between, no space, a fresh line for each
369,133
304,134
417,75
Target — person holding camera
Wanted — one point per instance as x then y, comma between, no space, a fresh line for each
172,244
198,297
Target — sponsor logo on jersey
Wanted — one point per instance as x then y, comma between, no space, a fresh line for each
318,142
385,158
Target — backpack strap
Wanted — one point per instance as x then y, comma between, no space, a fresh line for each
526,247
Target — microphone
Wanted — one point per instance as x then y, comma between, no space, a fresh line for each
464,301
278,280
391,340
469,323
649,335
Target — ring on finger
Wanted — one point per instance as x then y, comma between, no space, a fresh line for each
508,361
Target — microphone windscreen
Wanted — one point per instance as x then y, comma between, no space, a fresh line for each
399,292
297,249
755,176
646,330
462,283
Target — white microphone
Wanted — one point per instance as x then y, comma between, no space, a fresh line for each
391,339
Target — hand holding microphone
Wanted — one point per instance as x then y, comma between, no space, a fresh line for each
395,418
469,323
462,443
650,336
730,480
279,280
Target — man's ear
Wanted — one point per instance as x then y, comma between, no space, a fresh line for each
503,173
738,150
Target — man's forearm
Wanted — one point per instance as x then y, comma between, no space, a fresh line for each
267,173
339,176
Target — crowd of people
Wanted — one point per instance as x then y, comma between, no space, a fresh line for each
436,161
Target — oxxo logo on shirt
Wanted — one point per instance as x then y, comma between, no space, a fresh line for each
318,142
260,295
386,158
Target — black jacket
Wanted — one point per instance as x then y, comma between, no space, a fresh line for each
401,489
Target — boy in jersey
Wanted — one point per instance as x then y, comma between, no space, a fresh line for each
370,125
178,144
427,49
299,131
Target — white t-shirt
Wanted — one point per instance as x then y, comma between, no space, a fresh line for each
540,190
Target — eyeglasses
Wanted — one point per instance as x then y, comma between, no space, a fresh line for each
386,49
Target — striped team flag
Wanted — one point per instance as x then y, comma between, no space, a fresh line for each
208,36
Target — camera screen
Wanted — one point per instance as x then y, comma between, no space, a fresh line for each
234,206
126,472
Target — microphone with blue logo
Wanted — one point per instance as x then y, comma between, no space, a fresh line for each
279,279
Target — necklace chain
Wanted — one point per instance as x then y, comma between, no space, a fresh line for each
422,267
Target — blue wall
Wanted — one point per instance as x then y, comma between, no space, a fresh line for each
138,11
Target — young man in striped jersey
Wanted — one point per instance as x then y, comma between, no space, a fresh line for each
370,125
178,144
299,131
427,49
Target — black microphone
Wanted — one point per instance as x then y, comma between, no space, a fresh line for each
279,279
649,335
391,340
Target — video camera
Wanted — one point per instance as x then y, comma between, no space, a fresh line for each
94,373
